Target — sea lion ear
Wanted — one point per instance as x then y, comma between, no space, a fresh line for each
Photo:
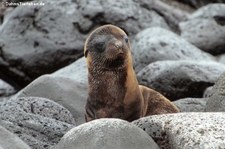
86,53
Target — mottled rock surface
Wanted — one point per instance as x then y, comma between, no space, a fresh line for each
157,44
67,92
185,130
37,121
127,14
216,102
9,140
181,79
106,134
191,104
35,40
206,28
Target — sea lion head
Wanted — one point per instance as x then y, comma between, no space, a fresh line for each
107,47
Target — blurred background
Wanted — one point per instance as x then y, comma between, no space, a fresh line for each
42,37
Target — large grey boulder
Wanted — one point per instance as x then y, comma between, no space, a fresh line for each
37,121
36,40
126,14
181,79
106,134
186,130
65,91
216,102
172,14
76,71
156,44
206,28
9,140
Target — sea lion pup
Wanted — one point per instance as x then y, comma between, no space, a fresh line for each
113,87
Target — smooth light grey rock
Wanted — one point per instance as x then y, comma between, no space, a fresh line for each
67,92
191,104
221,58
206,28
181,79
216,102
106,134
36,40
37,121
157,44
9,140
6,89
209,11
186,130
208,92
76,71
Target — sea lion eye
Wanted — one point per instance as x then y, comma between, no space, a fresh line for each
126,39
100,46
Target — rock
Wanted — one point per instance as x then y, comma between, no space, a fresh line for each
6,89
216,102
128,15
37,121
191,104
9,140
206,28
76,71
180,79
156,44
35,41
221,58
67,92
199,3
185,130
172,15
106,133
208,92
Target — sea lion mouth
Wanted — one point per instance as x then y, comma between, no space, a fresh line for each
118,62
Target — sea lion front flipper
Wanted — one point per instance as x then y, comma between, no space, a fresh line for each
155,103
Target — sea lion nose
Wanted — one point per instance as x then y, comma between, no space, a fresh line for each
118,44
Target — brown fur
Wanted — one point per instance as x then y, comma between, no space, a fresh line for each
113,87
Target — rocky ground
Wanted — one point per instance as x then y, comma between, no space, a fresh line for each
178,49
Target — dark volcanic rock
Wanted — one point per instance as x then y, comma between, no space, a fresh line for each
36,40
180,79
126,14
200,3
37,121
216,102
106,134
206,28
155,44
